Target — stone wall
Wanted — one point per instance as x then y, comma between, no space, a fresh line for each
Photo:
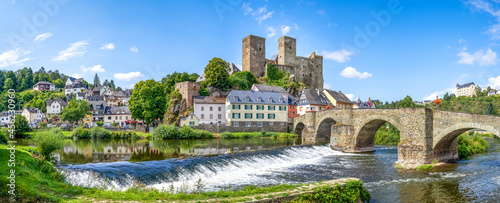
188,89
254,55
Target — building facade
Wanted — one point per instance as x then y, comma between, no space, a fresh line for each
190,120
210,110
33,115
55,106
256,109
188,89
312,100
97,109
116,114
7,116
338,99
43,85
74,88
466,90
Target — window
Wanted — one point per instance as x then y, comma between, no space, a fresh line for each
120,117
202,108
236,115
191,116
211,108
271,108
313,108
271,123
249,124
236,106
236,124
248,115
202,116
191,122
116,117
220,108
248,107
271,116
259,124
307,108
282,123
300,109
260,116
219,116
211,116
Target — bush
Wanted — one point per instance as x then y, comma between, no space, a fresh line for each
99,133
470,144
48,142
4,136
99,123
21,126
262,133
80,133
226,135
205,134
187,132
166,132
124,135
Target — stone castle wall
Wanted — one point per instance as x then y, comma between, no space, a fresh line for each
188,89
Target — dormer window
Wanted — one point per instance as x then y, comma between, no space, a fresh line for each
259,98
281,99
270,99
235,98
247,98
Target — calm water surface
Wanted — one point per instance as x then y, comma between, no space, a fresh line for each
232,164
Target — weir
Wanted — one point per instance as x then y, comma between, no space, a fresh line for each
425,134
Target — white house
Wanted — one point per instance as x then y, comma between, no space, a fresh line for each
210,110
74,88
311,100
72,80
466,90
44,85
33,115
7,116
492,93
55,106
256,109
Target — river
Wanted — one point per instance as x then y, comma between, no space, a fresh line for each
233,164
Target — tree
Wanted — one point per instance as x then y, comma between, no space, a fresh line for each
407,102
75,111
48,142
97,82
488,109
244,80
148,101
99,123
217,74
21,125
8,84
274,73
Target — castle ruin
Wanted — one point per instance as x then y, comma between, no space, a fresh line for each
308,70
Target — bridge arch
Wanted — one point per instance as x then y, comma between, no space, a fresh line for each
444,138
299,127
364,139
324,128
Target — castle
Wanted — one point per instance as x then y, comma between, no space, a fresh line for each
308,70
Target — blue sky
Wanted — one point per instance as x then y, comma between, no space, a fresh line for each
379,49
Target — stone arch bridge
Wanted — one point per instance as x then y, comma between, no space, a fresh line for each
425,134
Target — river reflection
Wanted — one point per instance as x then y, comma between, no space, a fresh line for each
100,151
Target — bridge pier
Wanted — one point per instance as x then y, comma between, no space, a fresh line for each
342,139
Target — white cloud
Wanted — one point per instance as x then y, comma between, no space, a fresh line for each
494,82
271,33
74,50
13,57
439,94
42,37
77,75
285,29
350,96
351,72
461,41
108,46
260,14
128,76
93,69
484,58
340,56
327,86
134,49
490,7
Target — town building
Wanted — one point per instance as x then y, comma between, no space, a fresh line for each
210,110
338,99
72,80
7,116
33,115
308,70
44,85
364,105
492,92
312,100
466,90
256,109
292,107
188,89
116,114
268,88
97,109
190,120
80,96
111,100
55,106
74,88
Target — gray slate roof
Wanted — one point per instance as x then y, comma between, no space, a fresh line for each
32,109
76,85
59,100
208,100
465,85
253,97
97,105
311,97
111,110
339,96
268,88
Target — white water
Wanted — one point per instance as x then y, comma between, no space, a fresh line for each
223,172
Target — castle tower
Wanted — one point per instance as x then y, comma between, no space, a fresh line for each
287,51
254,55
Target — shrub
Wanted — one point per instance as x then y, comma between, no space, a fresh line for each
4,136
166,132
262,133
187,132
227,135
205,134
99,133
469,145
80,133
124,135
99,123
48,142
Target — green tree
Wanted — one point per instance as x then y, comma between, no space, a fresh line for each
407,102
99,123
75,111
21,125
217,74
49,141
8,84
244,80
148,101
488,109
274,73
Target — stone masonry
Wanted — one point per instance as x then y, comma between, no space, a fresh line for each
188,89
425,134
